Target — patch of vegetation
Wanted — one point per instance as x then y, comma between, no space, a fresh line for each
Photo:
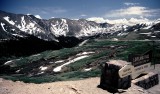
74,75
134,48
103,50
58,54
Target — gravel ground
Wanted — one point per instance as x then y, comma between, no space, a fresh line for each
87,86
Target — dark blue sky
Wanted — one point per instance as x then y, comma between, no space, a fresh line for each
74,9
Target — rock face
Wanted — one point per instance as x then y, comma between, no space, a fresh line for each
110,78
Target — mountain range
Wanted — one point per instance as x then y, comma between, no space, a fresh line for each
20,25
39,50
36,34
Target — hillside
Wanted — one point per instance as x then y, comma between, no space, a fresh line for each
35,35
86,86
36,50
82,61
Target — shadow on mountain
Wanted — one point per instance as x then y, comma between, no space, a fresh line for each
32,45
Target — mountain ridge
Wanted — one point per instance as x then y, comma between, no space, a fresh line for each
22,25
51,28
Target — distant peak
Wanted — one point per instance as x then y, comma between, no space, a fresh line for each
38,16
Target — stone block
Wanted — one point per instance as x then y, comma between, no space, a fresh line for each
147,81
110,78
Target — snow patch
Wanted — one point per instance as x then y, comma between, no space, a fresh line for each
135,30
13,29
8,62
11,61
17,35
3,39
60,28
84,53
88,69
18,71
57,69
40,73
156,31
43,68
36,55
38,16
122,34
9,21
56,40
2,24
81,44
153,36
39,37
89,30
115,39
60,61
112,46
29,27
51,62
23,23
149,33
148,27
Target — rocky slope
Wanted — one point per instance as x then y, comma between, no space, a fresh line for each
87,86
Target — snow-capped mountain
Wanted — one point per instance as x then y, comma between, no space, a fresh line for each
130,22
20,25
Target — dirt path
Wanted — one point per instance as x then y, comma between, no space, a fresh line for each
87,86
